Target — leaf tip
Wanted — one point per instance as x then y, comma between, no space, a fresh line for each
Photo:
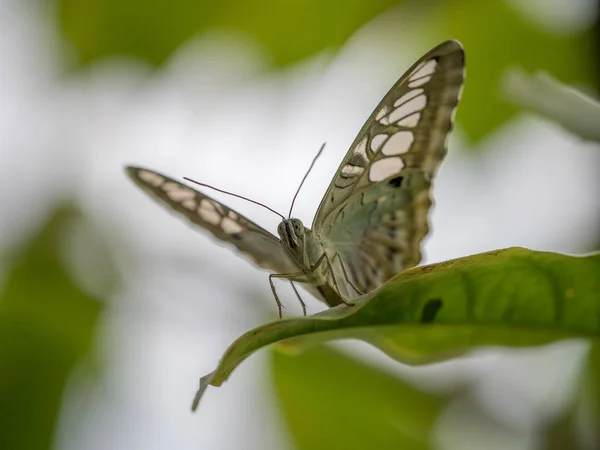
204,383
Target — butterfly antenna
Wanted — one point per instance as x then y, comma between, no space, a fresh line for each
234,195
305,176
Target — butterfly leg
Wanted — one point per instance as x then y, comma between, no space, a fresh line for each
325,257
298,276
299,297
339,257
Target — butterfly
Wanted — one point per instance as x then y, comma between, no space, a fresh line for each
374,215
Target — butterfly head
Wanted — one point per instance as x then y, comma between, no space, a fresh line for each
291,232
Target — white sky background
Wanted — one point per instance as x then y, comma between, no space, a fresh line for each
209,115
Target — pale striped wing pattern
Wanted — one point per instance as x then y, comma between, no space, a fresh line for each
375,211
225,224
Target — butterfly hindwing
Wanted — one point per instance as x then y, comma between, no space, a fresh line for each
375,210
224,223
378,232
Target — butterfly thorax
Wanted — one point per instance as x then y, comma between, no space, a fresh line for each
307,249
304,247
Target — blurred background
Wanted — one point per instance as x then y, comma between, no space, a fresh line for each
111,308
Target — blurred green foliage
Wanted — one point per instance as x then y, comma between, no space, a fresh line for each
545,96
494,34
153,29
331,400
47,326
497,37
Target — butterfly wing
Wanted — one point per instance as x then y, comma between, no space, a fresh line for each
225,224
375,209
378,232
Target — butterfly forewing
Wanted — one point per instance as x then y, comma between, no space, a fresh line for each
408,128
375,210
224,223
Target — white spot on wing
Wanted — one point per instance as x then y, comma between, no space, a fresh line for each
361,149
151,178
230,226
209,216
382,112
207,205
411,121
377,141
419,82
189,204
208,213
384,168
178,193
421,64
406,97
398,143
349,169
413,106
423,69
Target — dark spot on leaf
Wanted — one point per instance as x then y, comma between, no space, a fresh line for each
430,310
236,237
397,181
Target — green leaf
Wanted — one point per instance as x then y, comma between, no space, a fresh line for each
342,389
544,95
46,328
513,297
